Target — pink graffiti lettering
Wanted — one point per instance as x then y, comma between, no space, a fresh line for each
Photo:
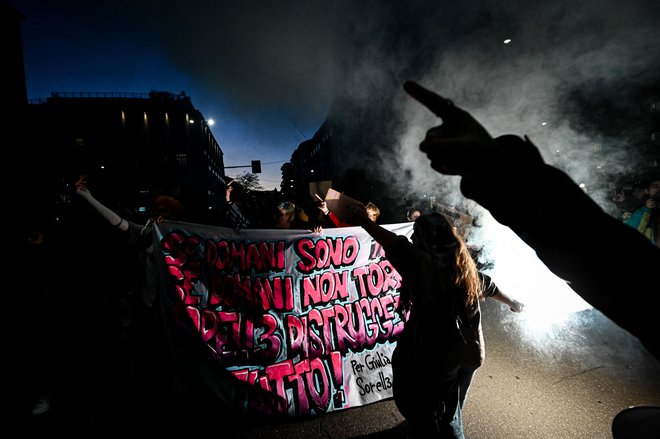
236,339
376,278
181,250
244,257
259,396
311,382
324,288
353,326
325,253
250,294
184,282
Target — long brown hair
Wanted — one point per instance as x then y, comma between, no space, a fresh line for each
434,234
467,276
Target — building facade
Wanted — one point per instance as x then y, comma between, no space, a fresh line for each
132,147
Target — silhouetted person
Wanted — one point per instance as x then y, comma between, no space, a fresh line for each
145,374
430,374
596,263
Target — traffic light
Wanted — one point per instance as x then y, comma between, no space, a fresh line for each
256,166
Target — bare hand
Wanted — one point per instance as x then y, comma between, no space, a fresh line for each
517,306
81,186
650,203
322,205
228,190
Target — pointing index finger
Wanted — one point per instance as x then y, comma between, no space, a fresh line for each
434,102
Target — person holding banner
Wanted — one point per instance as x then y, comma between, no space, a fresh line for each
323,207
143,367
286,215
372,211
440,276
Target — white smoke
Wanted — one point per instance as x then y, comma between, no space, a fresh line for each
524,88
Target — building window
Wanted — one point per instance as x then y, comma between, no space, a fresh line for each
181,159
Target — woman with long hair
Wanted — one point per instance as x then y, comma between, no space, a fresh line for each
438,276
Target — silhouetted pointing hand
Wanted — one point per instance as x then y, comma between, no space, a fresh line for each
460,145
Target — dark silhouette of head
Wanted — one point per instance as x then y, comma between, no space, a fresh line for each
434,233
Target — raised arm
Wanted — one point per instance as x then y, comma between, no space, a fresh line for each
108,214
232,213
323,207
597,263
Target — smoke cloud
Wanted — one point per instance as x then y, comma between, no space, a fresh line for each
561,60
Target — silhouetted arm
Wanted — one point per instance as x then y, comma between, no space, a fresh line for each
358,215
608,264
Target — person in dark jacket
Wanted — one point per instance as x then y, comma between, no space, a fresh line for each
430,381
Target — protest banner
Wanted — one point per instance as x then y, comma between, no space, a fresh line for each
291,323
